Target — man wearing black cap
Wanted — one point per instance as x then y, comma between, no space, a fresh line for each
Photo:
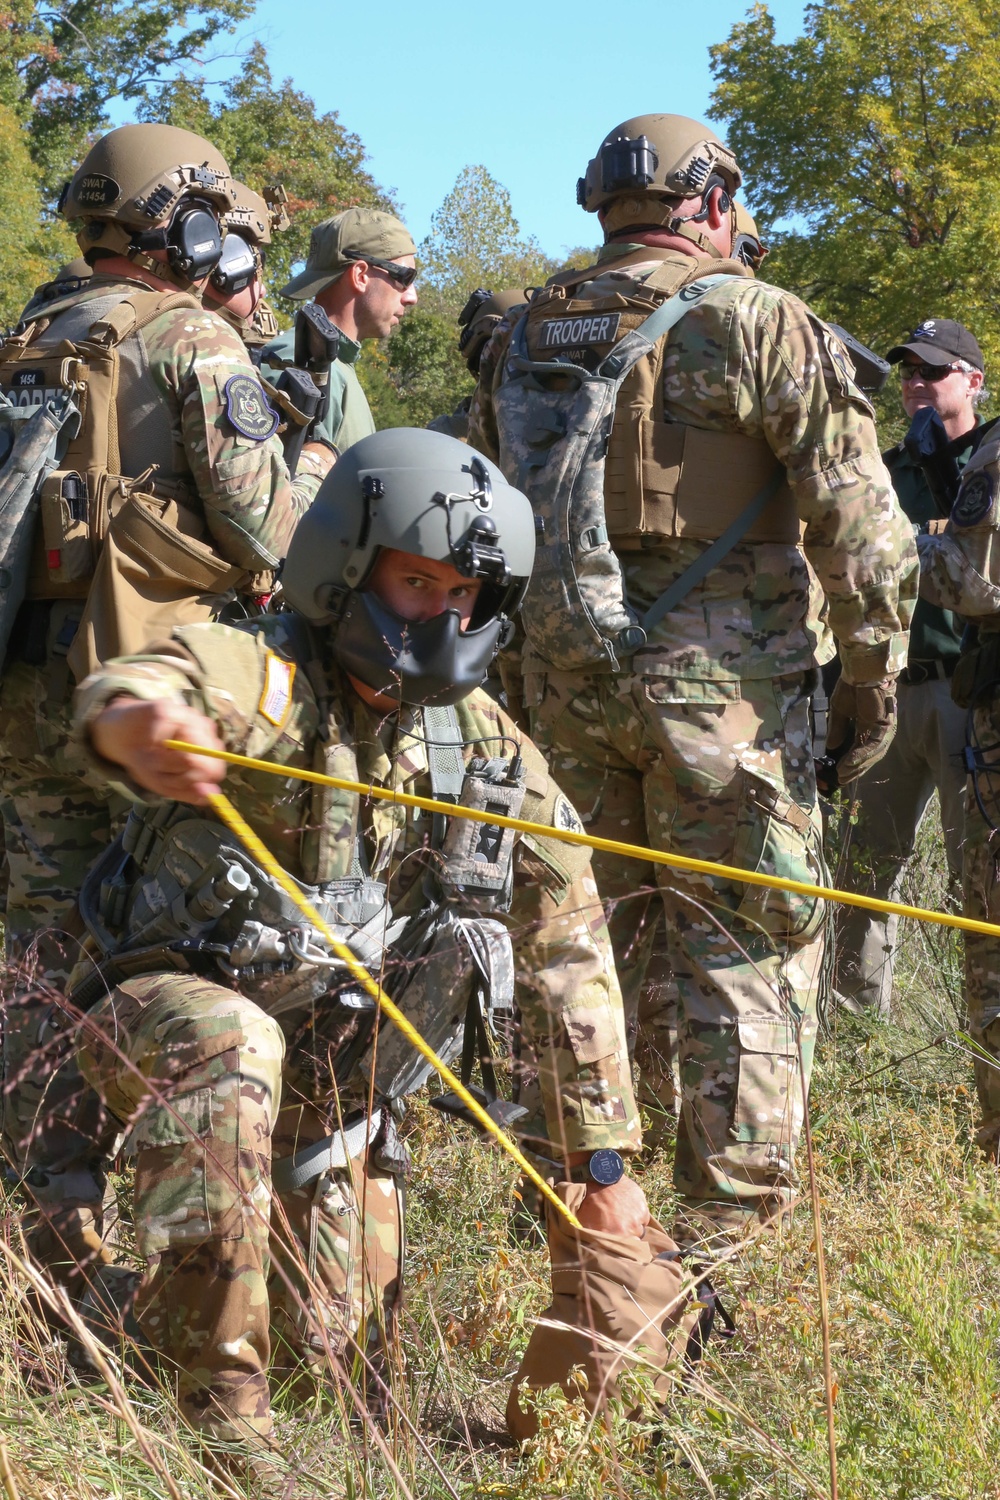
941,366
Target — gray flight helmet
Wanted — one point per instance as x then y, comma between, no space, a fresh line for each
432,496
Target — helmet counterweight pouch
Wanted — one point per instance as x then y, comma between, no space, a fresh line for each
554,420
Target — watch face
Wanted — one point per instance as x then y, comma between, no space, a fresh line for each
606,1167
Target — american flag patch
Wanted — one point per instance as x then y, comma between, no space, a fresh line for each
278,677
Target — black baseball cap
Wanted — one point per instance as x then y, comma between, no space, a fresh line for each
939,341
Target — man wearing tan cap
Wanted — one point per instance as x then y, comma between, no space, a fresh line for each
360,271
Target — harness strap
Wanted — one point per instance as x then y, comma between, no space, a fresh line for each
331,1154
445,762
713,554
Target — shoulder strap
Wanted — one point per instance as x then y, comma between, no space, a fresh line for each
713,553
444,752
135,311
635,345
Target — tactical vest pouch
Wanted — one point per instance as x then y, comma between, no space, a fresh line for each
665,479
65,527
156,572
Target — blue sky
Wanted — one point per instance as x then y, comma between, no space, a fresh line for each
526,89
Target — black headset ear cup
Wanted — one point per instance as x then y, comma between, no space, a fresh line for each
725,202
194,241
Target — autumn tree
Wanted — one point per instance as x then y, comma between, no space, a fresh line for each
871,142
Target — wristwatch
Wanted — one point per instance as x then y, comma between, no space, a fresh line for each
604,1168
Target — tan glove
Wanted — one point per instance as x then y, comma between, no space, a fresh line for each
861,728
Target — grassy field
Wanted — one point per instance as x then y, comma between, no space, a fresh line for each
911,1225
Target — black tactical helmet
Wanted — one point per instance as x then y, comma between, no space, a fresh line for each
430,495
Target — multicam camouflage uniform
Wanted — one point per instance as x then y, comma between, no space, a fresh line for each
196,1069
701,744
960,571
172,410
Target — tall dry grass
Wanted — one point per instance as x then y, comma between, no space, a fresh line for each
911,1222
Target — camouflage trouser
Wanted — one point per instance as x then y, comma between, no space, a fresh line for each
719,771
981,899
196,1072
54,827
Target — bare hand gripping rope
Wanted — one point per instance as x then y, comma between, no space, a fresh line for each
610,846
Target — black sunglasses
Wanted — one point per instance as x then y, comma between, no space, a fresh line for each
400,276
931,373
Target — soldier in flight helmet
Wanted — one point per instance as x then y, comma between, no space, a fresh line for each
400,579
172,497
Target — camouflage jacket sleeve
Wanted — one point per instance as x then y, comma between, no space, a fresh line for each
567,986
960,567
788,378
224,429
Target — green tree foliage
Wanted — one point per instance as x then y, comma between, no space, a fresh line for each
27,251
425,367
475,240
877,130
270,133
61,68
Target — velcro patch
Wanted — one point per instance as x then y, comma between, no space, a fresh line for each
277,695
565,816
248,409
974,499
569,333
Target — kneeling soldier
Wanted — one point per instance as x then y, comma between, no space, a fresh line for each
223,1033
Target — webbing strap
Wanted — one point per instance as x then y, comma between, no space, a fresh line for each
330,1154
660,321
713,554
444,752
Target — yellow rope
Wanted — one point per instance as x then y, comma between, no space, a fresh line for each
228,814
610,846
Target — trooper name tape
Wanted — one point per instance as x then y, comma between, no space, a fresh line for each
566,333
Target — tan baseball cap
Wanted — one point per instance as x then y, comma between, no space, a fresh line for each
364,231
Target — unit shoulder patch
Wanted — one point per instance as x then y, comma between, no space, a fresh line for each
565,815
277,693
248,409
974,499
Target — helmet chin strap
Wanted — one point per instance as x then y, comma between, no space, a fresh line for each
640,215
116,238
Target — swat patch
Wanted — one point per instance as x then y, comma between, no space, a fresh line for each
277,694
974,500
568,333
97,191
248,409
565,815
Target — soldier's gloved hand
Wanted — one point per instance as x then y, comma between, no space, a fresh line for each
861,728
131,732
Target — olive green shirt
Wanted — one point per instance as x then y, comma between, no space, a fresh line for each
348,416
